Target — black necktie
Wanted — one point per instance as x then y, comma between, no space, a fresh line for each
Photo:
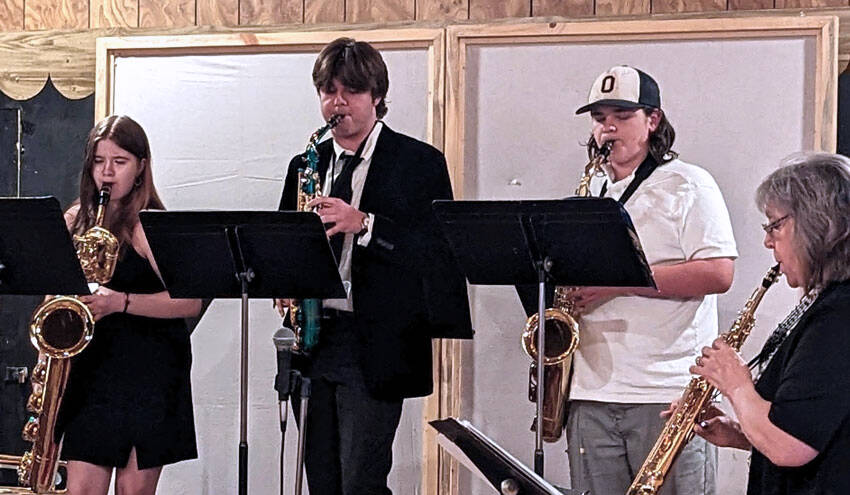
341,188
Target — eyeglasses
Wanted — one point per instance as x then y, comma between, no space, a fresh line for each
770,228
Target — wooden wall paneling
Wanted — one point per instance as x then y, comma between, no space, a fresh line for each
56,14
358,11
438,10
319,11
673,6
622,7
264,12
750,4
217,12
113,13
802,4
11,15
567,8
497,9
166,13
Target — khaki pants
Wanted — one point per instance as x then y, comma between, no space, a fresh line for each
607,444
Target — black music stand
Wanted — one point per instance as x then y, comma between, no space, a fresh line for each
37,256
486,458
574,242
243,254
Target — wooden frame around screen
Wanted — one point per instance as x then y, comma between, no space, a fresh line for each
433,39
823,29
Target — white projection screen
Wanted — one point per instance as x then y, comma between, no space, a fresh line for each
741,94
224,115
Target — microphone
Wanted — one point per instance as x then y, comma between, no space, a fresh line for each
284,341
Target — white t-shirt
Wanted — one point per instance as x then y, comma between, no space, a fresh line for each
638,349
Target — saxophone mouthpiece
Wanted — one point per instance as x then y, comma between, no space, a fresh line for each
334,120
105,193
605,149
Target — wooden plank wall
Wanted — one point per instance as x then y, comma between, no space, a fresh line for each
27,15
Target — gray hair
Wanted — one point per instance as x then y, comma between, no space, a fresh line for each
814,188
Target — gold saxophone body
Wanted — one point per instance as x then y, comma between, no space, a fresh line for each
562,336
61,327
305,314
679,429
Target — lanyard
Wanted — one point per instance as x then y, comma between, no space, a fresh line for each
641,174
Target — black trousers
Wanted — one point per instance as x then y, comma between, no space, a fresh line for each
349,434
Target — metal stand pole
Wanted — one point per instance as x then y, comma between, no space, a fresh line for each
245,277
542,268
302,433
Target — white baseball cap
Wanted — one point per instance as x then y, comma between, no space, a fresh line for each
623,86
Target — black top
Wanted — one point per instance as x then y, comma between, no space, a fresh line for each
406,287
130,386
808,385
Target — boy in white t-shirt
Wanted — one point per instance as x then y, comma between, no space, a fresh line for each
637,344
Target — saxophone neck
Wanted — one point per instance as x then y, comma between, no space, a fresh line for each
102,201
746,318
593,167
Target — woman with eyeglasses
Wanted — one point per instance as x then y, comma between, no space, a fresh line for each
795,414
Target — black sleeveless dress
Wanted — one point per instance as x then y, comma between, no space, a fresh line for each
131,386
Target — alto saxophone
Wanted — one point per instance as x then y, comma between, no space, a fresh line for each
562,335
679,429
60,328
305,314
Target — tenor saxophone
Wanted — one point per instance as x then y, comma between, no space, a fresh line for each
562,336
679,429
60,328
305,314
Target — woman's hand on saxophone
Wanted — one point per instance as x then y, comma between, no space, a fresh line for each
723,367
104,301
721,430
715,426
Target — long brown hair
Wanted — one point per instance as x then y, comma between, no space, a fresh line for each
129,136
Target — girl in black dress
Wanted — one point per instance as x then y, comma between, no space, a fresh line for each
128,403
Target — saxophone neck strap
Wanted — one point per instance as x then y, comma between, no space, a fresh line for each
643,172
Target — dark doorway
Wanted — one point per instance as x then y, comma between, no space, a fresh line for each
42,143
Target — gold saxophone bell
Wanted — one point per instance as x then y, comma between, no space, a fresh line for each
561,341
61,327
562,335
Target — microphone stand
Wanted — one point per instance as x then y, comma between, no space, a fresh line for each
283,340
287,382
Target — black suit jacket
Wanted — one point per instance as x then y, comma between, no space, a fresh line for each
406,286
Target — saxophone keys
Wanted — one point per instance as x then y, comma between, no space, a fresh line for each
30,433
39,372
25,469
35,402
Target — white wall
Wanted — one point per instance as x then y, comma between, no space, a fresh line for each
738,106
223,129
